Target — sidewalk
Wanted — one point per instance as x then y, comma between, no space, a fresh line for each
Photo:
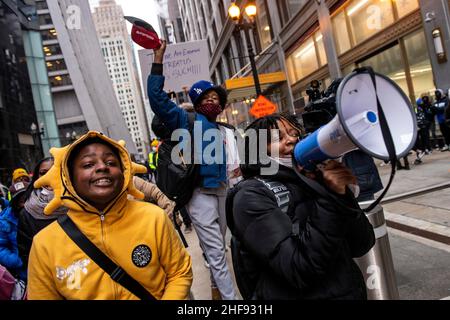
427,215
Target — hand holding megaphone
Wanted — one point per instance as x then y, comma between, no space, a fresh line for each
336,176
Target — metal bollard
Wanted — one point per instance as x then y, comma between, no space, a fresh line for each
377,265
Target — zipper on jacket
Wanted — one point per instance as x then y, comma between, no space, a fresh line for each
102,219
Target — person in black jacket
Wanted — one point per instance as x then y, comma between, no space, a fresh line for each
366,172
32,218
298,244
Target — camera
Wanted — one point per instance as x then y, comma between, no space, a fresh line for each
313,91
320,110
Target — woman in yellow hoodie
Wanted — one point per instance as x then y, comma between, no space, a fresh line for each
92,177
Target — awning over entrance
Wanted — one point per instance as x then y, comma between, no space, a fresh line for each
242,88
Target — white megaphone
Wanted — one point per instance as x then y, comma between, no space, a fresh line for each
357,123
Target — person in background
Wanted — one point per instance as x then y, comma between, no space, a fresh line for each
9,252
19,175
440,105
364,169
430,115
207,205
32,218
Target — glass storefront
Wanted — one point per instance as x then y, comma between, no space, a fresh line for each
358,20
419,63
411,66
307,58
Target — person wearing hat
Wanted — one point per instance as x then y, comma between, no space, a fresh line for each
207,205
9,252
19,175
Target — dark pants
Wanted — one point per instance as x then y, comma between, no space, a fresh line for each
445,132
424,139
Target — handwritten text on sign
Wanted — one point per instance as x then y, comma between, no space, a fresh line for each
184,64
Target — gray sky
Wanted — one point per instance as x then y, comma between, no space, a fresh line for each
144,9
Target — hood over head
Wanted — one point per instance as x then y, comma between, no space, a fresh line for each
58,177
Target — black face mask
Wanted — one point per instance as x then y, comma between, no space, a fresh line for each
438,95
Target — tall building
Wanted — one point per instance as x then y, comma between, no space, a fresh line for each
170,21
27,121
83,95
118,54
323,40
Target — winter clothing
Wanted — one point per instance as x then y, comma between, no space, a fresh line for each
312,261
200,88
32,220
206,207
440,106
59,269
20,173
9,253
153,194
365,170
212,174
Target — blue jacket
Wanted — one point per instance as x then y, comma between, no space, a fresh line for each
212,174
9,253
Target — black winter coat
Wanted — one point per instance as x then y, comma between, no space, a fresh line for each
316,263
28,227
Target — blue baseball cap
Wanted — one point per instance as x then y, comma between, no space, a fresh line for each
200,88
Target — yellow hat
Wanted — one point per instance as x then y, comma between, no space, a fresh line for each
20,173
154,143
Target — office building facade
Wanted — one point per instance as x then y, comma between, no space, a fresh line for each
118,54
323,40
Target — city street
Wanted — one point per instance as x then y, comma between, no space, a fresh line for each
421,264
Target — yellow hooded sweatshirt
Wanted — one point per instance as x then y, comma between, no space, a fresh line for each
59,269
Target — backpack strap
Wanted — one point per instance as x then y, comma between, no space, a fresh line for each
116,273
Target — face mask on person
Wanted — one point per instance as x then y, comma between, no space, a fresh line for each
285,162
46,195
210,110
154,149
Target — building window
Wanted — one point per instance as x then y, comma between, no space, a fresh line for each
45,19
307,58
58,81
288,8
419,63
341,34
368,17
405,7
49,34
56,65
264,26
52,50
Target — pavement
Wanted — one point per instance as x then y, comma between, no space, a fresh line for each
418,232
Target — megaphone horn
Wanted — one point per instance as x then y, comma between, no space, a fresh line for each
357,124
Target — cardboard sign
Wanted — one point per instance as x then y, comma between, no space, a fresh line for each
184,64
262,107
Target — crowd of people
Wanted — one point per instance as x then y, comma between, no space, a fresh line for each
83,225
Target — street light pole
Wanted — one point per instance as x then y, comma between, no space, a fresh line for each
235,14
251,54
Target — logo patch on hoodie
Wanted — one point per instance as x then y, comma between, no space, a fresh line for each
141,256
